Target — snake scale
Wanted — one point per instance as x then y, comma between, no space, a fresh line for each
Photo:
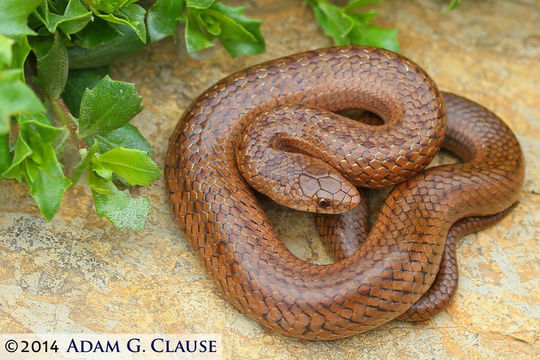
404,266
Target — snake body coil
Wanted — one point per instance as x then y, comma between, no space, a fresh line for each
405,266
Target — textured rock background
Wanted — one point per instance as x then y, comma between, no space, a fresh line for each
78,274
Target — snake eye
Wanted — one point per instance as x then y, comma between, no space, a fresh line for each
324,203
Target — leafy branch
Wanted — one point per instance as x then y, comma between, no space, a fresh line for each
347,25
207,20
54,88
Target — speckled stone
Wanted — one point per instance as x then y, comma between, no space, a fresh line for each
78,274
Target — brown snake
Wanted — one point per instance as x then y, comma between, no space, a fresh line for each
404,267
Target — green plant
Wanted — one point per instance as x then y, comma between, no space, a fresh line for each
49,95
347,26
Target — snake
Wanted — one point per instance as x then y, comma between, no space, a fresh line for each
275,129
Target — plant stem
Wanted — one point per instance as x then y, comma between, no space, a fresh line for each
59,109
63,115
4,152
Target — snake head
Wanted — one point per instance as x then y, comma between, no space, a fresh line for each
280,170
323,190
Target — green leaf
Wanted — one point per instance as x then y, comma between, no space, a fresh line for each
16,98
372,35
100,184
118,206
108,106
29,170
74,19
20,51
77,82
195,39
346,26
252,26
122,210
135,14
53,67
107,6
98,32
40,124
102,170
128,136
364,17
106,53
10,75
238,34
199,4
35,160
163,18
47,190
454,4
47,187
135,166
132,16
210,24
334,21
5,51
357,4
13,16
42,13
231,31
22,151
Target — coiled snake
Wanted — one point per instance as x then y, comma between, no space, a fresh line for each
404,267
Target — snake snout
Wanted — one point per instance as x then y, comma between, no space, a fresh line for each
339,203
